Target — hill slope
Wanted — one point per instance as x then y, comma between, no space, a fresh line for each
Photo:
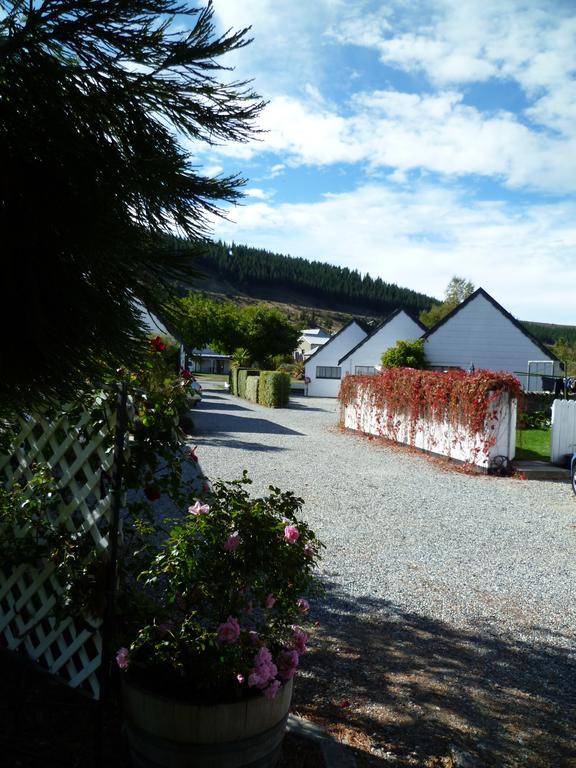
316,292
263,274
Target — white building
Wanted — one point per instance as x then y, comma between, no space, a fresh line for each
323,367
482,333
309,341
365,356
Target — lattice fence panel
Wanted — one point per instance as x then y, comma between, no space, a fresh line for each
80,457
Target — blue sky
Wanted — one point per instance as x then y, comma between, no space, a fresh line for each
413,140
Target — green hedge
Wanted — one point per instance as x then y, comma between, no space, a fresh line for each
234,380
252,383
274,389
243,374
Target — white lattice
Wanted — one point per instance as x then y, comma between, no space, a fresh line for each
81,458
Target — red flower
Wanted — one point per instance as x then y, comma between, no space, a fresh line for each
152,492
157,345
186,375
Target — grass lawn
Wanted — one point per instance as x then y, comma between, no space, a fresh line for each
533,444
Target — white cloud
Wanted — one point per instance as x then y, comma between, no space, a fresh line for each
434,133
258,194
455,42
420,239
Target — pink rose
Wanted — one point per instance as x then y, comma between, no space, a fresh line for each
123,658
299,638
233,542
229,631
240,678
199,509
264,669
291,534
270,600
263,657
303,605
288,663
271,691
308,551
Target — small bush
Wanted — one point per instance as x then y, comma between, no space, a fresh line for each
243,374
406,354
234,380
252,383
536,420
274,389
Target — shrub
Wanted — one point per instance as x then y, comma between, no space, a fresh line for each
274,389
234,380
406,354
252,388
243,374
222,594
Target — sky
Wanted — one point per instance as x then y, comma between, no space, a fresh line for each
414,140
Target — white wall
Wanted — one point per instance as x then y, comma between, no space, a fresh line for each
498,438
480,334
329,355
400,328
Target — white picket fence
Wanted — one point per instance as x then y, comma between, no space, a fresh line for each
27,594
563,432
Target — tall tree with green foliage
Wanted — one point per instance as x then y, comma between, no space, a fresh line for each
260,331
457,290
99,105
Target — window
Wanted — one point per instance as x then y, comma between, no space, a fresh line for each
364,369
328,372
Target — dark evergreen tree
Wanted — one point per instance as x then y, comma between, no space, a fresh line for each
95,98
245,266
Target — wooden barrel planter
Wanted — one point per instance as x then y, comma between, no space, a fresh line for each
163,733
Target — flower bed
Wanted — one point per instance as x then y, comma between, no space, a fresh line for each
469,417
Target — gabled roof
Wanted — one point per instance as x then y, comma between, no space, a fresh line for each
360,323
378,328
500,308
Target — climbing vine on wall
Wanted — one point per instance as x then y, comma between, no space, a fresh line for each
460,399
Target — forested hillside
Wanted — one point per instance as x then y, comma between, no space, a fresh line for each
550,334
249,267
241,269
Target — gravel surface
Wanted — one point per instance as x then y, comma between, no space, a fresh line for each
448,623
496,554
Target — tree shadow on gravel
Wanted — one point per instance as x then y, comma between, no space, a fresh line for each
407,690
233,442
223,407
228,424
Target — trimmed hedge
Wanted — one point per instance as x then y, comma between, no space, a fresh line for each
243,374
233,380
274,389
252,383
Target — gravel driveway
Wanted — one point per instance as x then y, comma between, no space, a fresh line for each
449,611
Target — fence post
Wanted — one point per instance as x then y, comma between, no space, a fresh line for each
108,625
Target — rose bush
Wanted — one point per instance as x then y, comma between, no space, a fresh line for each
216,613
